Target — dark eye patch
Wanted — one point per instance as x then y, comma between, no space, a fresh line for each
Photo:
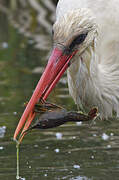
78,40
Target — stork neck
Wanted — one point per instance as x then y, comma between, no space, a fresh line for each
82,76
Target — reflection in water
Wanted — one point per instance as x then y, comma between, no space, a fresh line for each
76,152
32,19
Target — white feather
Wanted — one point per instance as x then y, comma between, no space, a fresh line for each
93,77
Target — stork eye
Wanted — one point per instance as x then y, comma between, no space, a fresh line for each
78,40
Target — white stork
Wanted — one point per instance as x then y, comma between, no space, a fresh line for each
86,42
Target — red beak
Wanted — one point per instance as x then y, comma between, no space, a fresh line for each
55,68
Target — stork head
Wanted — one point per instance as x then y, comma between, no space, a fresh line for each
75,30
72,34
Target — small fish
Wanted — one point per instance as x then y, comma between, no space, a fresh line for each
59,117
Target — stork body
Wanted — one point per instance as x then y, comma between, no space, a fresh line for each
93,77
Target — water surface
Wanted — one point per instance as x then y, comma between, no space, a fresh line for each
88,151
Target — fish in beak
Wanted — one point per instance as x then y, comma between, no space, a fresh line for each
57,65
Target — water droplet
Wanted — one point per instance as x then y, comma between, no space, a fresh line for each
109,146
92,157
74,137
57,150
1,148
46,147
15,113
5,45
18,177
111,134
4,127
36,146
105,137
78,123
59,135
76,166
